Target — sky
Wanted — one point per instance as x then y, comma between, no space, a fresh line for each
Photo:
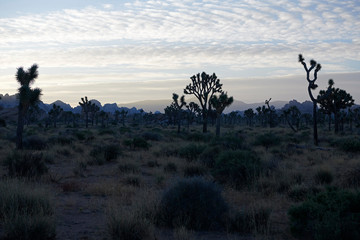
124,51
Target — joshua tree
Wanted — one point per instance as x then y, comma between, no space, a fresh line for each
249,114
86,107
192,110
123,114
27,97
178,108
292,116
333,100
54,113
220,103
312,86
271,113
203,87
93,110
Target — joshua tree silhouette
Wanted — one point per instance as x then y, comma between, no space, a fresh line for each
220,103
203,87
27,98
86,107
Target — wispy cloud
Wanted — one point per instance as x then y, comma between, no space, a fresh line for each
134,40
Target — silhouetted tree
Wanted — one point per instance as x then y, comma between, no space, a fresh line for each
312,86
54,113
93,111
249,115
86,107
220,103
27,97
192,111
271,114
178,108
333,100
203,87
123,114
292,116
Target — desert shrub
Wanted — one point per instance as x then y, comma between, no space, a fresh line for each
323,177
63,140
137,142
253,220
170,167
350,144
26,164
232,142
151,136
104,153
106,131
128,168
169,150
267,140
124,130
191,152
26,211
238,168
193,203
153,164
194,170
34,143
351,177
298,192
128,225
132,180
332,214
198,137
2,122
209,155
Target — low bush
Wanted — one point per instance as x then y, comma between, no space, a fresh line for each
193,203
127,225
26,164
351,177
237,168
350,144
194,170
170,167
152,136
107,153
26,211
34,143
209,155
323,177
137,142
232,142
191,152
128,168
329,215
267,140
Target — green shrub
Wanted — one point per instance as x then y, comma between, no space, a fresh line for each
128,168
127,225
194,170
170,167
267,140
34,143
351,144
62,140
151,136
137,142
198,137
153,164
209,155
232,142
351,177
323,177
329,215
191,152
26,164
26,211
193,203
2,122
107,153
238,168
252,220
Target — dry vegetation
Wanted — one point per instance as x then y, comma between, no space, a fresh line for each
109,183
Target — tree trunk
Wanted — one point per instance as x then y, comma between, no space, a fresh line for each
87,119
316,142
205,121
336,120
329,122
20,129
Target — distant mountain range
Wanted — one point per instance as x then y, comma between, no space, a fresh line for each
10,101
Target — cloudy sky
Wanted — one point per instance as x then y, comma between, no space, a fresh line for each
124,51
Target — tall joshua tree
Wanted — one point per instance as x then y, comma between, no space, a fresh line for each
333,100
86,107
220,103
203,87
312,86
27,97
178,107
54,113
